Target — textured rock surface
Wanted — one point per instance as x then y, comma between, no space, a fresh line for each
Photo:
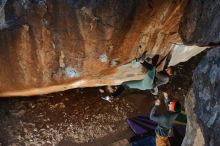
194,135
206,86
200,23
54,42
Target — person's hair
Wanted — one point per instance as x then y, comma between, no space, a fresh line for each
168,71
177,107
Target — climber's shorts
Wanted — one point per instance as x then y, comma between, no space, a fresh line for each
162,141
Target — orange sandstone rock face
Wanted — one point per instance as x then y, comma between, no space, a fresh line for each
55,45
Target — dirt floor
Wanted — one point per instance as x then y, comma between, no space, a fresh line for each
80,116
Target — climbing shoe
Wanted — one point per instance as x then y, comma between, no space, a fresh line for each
107,98
154,91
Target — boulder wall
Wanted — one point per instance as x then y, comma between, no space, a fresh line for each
200,23
203,104
54,45
56,42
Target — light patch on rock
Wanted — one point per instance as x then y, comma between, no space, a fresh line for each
110,89
208,107
199,138
54,46
88,12
135,64
3,23
212,120
71,72
205,94
204,68
58,105
42,2
213,75
101,91
45,22
25,4
61,59
26,27
111,47
114,62
127,73
182,53
103,58
18,113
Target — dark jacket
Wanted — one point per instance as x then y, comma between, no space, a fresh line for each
164,121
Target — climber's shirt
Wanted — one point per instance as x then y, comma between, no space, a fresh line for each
165,121
147,82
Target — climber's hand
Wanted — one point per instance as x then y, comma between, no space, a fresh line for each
157,102
141,61
165,95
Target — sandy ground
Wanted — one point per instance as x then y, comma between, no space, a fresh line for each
79,116
73,117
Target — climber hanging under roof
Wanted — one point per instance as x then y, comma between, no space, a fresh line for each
151,81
